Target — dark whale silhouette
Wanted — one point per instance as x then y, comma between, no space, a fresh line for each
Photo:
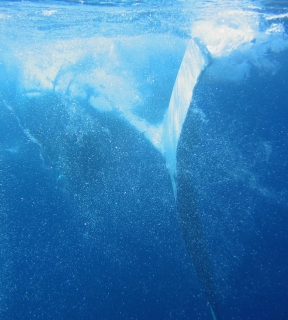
190,221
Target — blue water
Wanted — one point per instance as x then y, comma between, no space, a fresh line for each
88,221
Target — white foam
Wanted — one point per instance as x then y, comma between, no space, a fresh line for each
48,66
226,31
48,13
237,40
25,130
276,16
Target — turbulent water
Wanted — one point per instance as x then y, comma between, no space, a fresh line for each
106,107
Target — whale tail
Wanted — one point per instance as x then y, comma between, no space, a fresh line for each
178,139
165,138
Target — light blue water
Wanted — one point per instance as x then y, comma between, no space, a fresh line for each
91,102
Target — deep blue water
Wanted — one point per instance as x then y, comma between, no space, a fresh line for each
245,213
88,221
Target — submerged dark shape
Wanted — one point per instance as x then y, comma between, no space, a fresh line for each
190,222
178,139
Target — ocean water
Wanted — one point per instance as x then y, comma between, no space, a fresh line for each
119,120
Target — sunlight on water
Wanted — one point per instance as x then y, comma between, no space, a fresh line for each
94,98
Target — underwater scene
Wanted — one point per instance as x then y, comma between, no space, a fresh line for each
144,159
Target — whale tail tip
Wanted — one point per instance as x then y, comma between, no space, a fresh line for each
213,313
